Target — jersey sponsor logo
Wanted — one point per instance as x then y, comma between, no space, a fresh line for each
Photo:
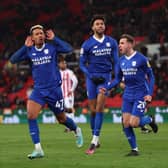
95,46
102,52
133,63
33,54
129,71
41,60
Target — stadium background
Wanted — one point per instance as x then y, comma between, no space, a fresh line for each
145,19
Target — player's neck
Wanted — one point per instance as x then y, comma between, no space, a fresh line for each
99,36
39,47
130,53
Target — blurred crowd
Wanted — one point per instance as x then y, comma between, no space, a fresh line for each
146,20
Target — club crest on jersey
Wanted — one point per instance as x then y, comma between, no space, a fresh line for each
107,44
46,51
95,46
33,54
133,63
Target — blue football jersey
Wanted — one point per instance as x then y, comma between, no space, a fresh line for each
43,61
97,56
137,74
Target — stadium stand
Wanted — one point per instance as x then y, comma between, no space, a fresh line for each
146,20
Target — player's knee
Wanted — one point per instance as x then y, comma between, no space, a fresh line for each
93,110
126,124
31,116
100,109
134,124
68,110
61,120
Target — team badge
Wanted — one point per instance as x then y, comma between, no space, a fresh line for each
133,63
107,44
95,46
123,64
46,51
33,54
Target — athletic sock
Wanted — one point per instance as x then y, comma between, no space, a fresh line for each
34,130
129,132
145,120
92,123
95,140
69,123
98,123
38,147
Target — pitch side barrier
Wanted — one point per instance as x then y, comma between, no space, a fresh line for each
112,115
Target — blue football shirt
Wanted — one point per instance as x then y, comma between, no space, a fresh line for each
43,61
97,56
137,74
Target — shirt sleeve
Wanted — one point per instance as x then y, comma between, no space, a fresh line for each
19,55
151,79
115,57
62,46
83,61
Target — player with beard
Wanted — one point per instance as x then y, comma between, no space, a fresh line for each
98,57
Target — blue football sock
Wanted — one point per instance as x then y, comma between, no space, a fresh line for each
144,120
34,130
92,123
69,123
98,123
129,132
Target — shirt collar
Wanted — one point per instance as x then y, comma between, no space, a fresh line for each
99,40
132,55
40,49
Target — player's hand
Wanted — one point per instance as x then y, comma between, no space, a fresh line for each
28,41
102,90
50,34
122,85
148,98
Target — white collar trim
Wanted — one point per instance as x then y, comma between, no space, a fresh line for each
99,40
40,49
132,55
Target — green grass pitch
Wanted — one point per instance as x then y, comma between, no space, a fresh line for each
61,151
